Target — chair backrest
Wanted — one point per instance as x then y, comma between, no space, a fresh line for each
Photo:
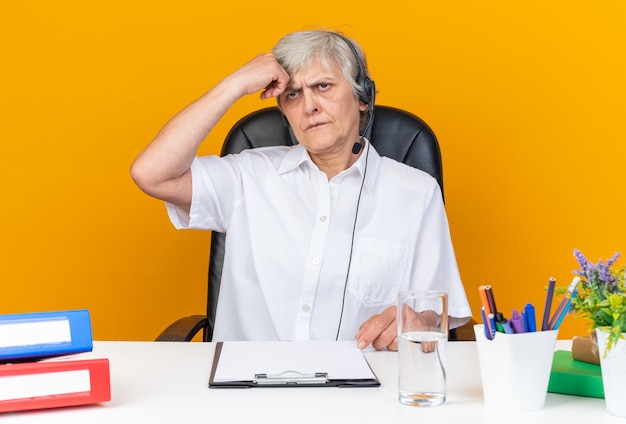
396,134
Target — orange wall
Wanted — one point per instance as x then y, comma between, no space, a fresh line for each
527,99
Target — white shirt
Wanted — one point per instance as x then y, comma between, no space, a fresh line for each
289,235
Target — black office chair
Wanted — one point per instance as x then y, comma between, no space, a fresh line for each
396,134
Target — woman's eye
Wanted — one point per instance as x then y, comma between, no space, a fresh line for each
324,85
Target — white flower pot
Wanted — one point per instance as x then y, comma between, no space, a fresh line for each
613,368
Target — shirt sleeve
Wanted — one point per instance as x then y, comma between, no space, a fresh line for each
214,189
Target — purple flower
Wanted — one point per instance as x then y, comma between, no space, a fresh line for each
597,291
582,261
599,272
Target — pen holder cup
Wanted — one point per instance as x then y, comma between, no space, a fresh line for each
515,368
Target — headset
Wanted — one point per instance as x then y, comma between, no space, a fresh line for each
367,94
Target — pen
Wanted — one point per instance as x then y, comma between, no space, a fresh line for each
531,323
492,323
545,325
485,323
516,322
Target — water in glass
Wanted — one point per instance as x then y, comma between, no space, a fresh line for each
422,374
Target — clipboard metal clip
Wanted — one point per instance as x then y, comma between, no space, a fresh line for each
291,378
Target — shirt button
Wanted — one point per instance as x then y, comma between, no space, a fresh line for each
306,308
316,261
323,218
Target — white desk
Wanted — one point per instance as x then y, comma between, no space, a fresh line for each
168,383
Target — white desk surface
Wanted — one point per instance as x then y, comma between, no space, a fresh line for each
168,383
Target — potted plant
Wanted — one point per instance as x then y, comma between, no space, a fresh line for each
600,296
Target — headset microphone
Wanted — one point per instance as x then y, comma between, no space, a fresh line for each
358,145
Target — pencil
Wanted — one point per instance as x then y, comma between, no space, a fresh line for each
485,301
568,305
545,325
491,300
564,302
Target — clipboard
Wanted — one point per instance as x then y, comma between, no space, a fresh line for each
290,364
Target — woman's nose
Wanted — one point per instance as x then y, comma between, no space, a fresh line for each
310,104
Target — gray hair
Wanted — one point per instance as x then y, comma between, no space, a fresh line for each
297,50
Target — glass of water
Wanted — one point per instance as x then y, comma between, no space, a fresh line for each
422,347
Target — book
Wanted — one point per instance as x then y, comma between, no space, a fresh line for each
31,336
53,384
571,377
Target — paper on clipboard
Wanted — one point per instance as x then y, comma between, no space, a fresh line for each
342,362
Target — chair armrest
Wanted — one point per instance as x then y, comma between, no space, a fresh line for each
183,329
464,332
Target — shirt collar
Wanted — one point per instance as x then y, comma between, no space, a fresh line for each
298,156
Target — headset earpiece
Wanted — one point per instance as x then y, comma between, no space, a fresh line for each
368,89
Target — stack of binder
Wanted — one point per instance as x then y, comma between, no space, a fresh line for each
39,367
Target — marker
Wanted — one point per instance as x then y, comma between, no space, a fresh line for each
516,322
531,323
507,327
545,324
502,324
